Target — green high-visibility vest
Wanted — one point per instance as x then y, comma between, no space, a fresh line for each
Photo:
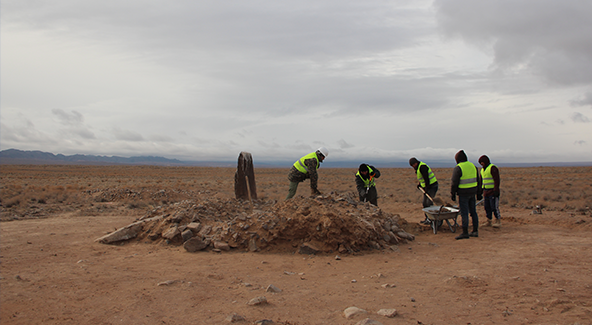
487,178
430,175
469,175
367,182
299,164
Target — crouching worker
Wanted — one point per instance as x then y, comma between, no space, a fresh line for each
305,168
366,185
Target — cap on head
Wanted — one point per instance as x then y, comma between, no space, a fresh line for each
413,161
323,151
363,168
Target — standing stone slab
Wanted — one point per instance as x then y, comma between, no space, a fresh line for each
245,171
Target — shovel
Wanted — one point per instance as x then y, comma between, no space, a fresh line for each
429,197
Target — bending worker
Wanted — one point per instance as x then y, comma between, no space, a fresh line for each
365,183
427,182
304,168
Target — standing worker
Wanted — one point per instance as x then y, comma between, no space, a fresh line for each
365,183
466,183
304,168
427,182
491,191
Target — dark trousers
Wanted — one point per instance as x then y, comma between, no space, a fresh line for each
371,196
432,193
466,204
491,204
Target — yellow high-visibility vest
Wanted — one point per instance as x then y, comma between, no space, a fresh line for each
469,175
367,182
299,164
487,178
430,175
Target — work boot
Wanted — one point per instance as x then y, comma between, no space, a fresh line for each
497,223
464,235
487,223
474,234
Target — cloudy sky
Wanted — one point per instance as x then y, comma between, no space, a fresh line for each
370,80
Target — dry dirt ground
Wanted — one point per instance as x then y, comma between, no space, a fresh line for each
535,269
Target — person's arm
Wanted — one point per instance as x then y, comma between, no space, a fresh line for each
426,175
375,171
479,184
455,181
496,180
360,186
311,164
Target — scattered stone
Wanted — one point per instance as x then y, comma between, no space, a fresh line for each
187,234
412,299
171,233
387,312
368,321
351,312
272,288
195,227
264,322
308,249
337,257
194,244
167,283
262,300
234,318
388,285
221,246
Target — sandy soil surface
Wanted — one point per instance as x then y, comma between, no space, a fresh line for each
535,269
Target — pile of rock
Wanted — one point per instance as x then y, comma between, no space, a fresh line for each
333,223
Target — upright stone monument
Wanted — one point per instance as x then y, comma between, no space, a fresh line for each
244,178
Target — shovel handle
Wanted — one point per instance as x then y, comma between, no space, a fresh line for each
426,194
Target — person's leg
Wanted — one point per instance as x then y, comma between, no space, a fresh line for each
292,190
495,207
488,204
373,196
463,205
474,216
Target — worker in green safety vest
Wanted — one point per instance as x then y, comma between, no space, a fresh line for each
306,168
467,184
427,181
366,184
491,191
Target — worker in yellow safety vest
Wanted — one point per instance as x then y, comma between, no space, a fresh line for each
426,181
366,184
306,168
467,184
491,191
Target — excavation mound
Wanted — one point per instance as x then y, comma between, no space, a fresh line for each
325,224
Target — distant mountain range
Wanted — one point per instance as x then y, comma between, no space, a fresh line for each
36,157
20,157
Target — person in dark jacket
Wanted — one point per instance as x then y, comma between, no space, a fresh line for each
305,168
365,183
427,181
466,183
491,191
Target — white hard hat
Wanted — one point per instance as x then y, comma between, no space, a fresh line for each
323,151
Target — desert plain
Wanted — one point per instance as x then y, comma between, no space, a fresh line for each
535,269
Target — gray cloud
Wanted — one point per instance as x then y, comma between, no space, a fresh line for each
579,118
548,37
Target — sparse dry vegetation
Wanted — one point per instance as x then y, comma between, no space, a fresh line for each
35,191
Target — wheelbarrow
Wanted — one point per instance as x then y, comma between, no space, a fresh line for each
437,214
